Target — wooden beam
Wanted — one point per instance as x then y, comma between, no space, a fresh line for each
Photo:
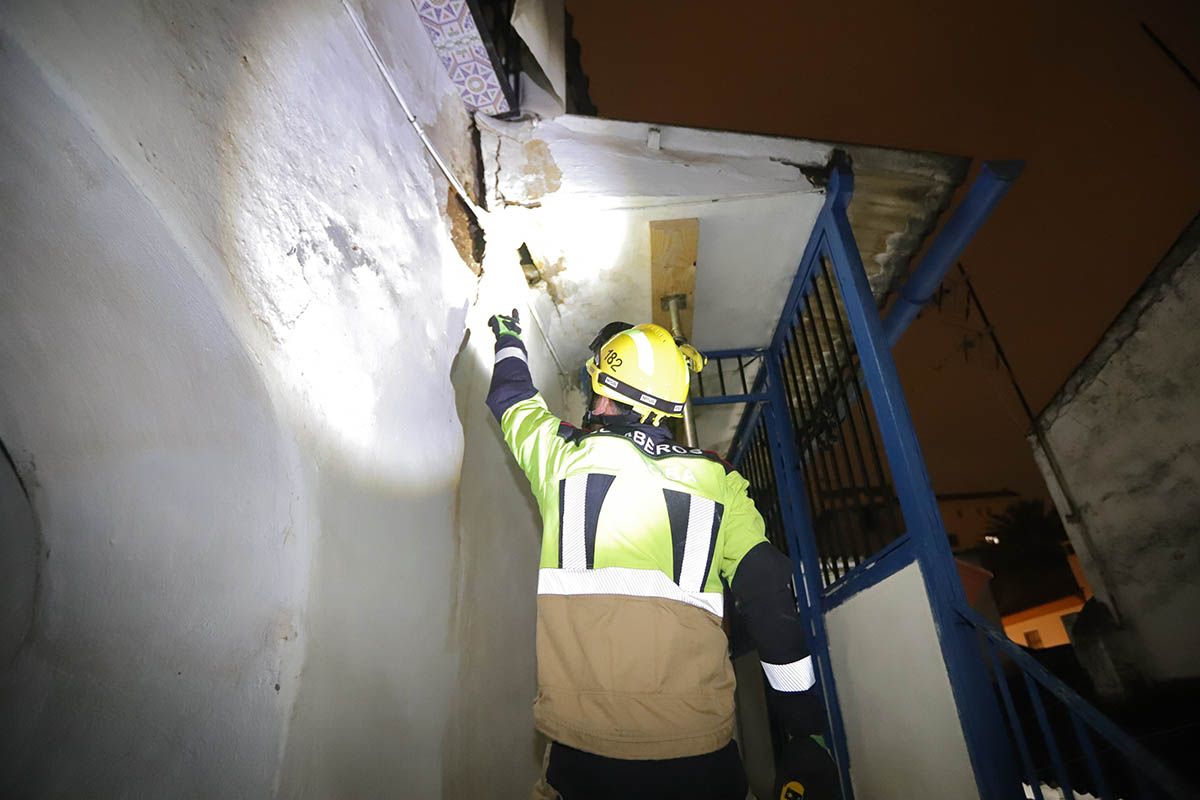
673,245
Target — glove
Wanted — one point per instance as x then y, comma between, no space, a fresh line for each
503,325
806,771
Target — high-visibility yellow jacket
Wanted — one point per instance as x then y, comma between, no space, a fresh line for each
639,535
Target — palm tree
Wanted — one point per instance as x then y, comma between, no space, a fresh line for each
1027,555
1026,527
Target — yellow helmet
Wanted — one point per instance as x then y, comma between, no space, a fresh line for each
642,366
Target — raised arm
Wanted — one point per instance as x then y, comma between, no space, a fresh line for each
530,430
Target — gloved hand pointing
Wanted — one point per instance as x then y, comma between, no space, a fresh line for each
503,325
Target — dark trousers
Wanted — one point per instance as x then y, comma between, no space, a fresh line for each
577,775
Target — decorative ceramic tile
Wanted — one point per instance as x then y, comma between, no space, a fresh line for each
459,44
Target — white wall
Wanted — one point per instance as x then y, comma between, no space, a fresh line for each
231,305
159,477
902,727
1125,430
497,544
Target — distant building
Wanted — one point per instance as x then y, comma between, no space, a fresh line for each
1047,624
1034,607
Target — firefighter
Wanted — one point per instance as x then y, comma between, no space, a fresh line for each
640,536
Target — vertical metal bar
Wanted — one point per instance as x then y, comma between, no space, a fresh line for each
721,375
975,703
792,376
742,375
1099,784
1014,721
770,482
673,304
844,392
1039,710
795,393
818,459
796,389
766,478
798,525
886,491
825,395
884,480
808,440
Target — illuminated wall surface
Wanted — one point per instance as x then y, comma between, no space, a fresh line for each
229,316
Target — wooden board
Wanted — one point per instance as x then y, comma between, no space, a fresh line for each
673,245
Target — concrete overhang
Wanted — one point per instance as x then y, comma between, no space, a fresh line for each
581,192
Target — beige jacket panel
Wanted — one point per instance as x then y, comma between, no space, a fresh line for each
632,677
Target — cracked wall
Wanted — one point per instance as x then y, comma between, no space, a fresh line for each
231,306
1126,431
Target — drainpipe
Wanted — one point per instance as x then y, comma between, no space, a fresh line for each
994,180
674,303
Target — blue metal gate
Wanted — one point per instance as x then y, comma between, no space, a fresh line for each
829,448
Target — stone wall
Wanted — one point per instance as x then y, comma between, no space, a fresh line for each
1125,430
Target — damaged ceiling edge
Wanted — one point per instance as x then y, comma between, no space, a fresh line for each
581,195
899,197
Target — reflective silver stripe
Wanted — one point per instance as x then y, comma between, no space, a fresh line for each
626,582
695,548
794,677
574,546
645,351
511,352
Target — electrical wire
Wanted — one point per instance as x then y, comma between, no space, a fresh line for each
459,189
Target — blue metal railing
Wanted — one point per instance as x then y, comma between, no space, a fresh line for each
1140,774
826,432
736,373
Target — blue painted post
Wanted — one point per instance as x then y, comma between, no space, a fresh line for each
802,545
980,716
1043,721
1014,721
993,182
1099,785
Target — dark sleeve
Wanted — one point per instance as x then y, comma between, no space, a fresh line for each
762,588
511,381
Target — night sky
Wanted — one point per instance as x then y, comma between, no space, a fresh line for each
1109,126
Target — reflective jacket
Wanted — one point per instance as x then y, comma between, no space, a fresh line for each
638,534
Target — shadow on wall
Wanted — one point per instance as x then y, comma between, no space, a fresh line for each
492,749
164,488
20,548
